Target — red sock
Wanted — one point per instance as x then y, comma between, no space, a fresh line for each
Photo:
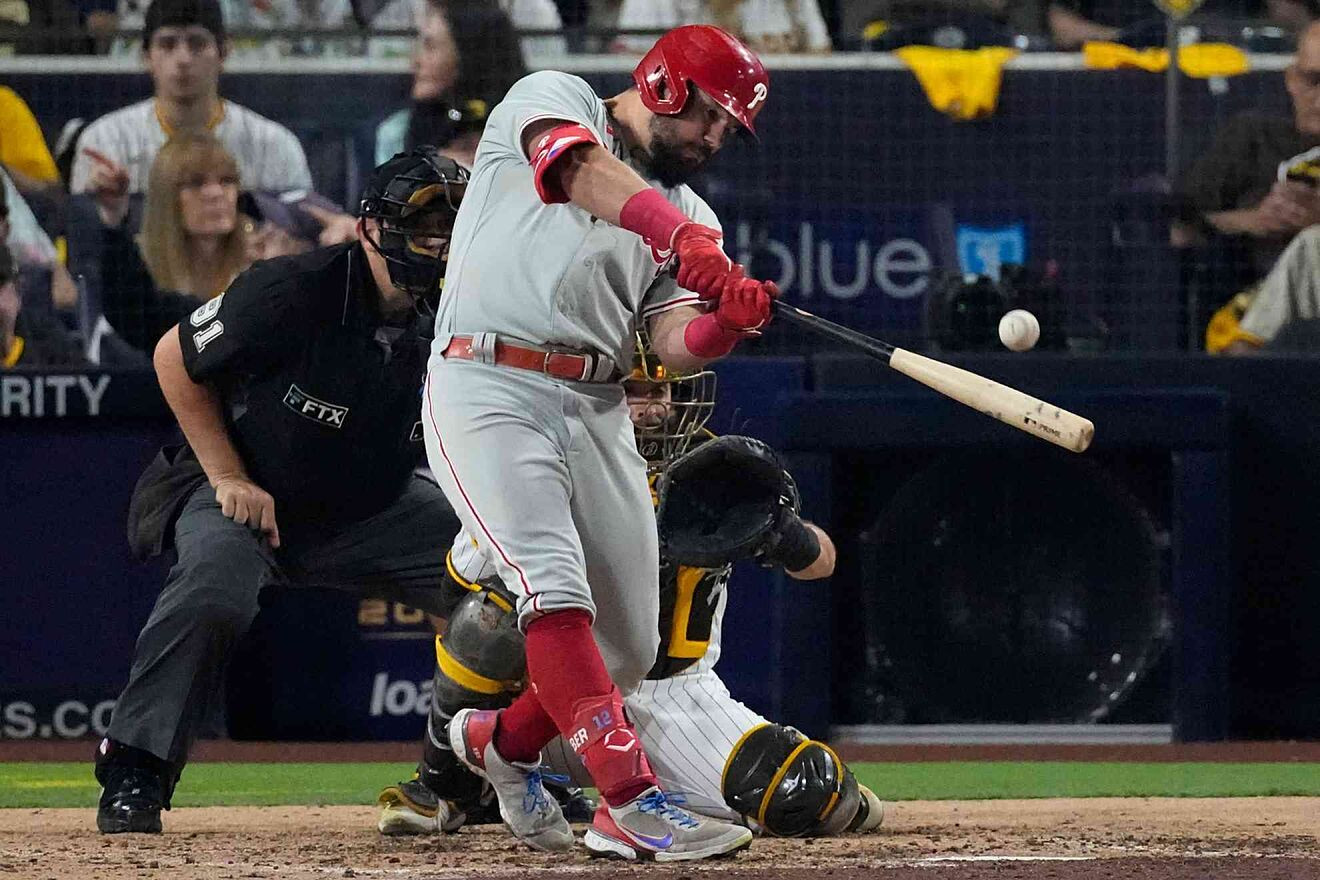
564,663
523,729
575,689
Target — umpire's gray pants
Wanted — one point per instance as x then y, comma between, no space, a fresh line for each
210,599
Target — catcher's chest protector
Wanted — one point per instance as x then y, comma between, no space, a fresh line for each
688,600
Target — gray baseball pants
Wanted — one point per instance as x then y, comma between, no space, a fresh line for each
210,599
546,476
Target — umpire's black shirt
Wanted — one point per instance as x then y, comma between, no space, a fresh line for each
321,393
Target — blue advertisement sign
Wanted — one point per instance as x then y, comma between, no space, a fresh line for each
869,268
983,250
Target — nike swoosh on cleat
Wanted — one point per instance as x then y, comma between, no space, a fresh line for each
653,842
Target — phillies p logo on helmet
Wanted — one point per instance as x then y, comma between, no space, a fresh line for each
711,59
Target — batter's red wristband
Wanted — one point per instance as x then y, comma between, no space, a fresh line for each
706,339
650,215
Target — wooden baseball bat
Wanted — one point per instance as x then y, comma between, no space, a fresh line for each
1008,405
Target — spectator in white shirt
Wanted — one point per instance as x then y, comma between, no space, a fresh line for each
766,26
184,47
253,16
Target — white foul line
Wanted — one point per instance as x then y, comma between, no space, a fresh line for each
1007,859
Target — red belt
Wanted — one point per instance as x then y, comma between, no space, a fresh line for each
575,366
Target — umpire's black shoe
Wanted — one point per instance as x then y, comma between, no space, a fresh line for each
132,790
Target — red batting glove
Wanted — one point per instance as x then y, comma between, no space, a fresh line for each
744,305
703,267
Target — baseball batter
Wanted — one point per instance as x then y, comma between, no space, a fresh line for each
576,213
726,760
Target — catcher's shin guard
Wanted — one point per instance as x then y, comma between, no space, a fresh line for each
788,785
480,664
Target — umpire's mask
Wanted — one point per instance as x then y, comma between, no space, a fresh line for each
414,198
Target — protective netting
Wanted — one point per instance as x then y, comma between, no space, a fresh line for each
916,194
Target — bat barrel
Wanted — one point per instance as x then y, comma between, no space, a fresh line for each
1008,405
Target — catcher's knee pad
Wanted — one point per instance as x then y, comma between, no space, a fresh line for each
788,785
480,659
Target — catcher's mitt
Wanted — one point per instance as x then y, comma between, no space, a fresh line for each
725,500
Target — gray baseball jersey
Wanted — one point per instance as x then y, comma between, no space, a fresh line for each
551,274
545,473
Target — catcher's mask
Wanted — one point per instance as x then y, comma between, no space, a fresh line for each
414,198
667,409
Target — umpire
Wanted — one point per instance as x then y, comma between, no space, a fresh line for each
299,393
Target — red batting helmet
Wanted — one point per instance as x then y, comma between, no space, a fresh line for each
710,59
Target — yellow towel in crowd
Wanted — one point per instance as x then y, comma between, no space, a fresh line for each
1200,60
1225,325
960,82
1204,60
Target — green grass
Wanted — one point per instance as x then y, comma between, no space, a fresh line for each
219,784
1003,779
72,785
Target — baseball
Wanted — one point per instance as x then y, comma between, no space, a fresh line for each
1019,330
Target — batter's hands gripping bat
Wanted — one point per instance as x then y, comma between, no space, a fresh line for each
1010,406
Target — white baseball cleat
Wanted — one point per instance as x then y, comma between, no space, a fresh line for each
531,812
875,811
651,827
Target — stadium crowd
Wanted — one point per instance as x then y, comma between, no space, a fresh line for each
381,28
165,200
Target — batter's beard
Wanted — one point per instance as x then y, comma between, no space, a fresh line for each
665,161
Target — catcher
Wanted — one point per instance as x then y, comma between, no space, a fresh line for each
719,500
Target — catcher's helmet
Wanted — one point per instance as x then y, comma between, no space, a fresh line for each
414,198
669,409
713,61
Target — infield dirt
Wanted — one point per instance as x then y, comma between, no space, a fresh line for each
1176,839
